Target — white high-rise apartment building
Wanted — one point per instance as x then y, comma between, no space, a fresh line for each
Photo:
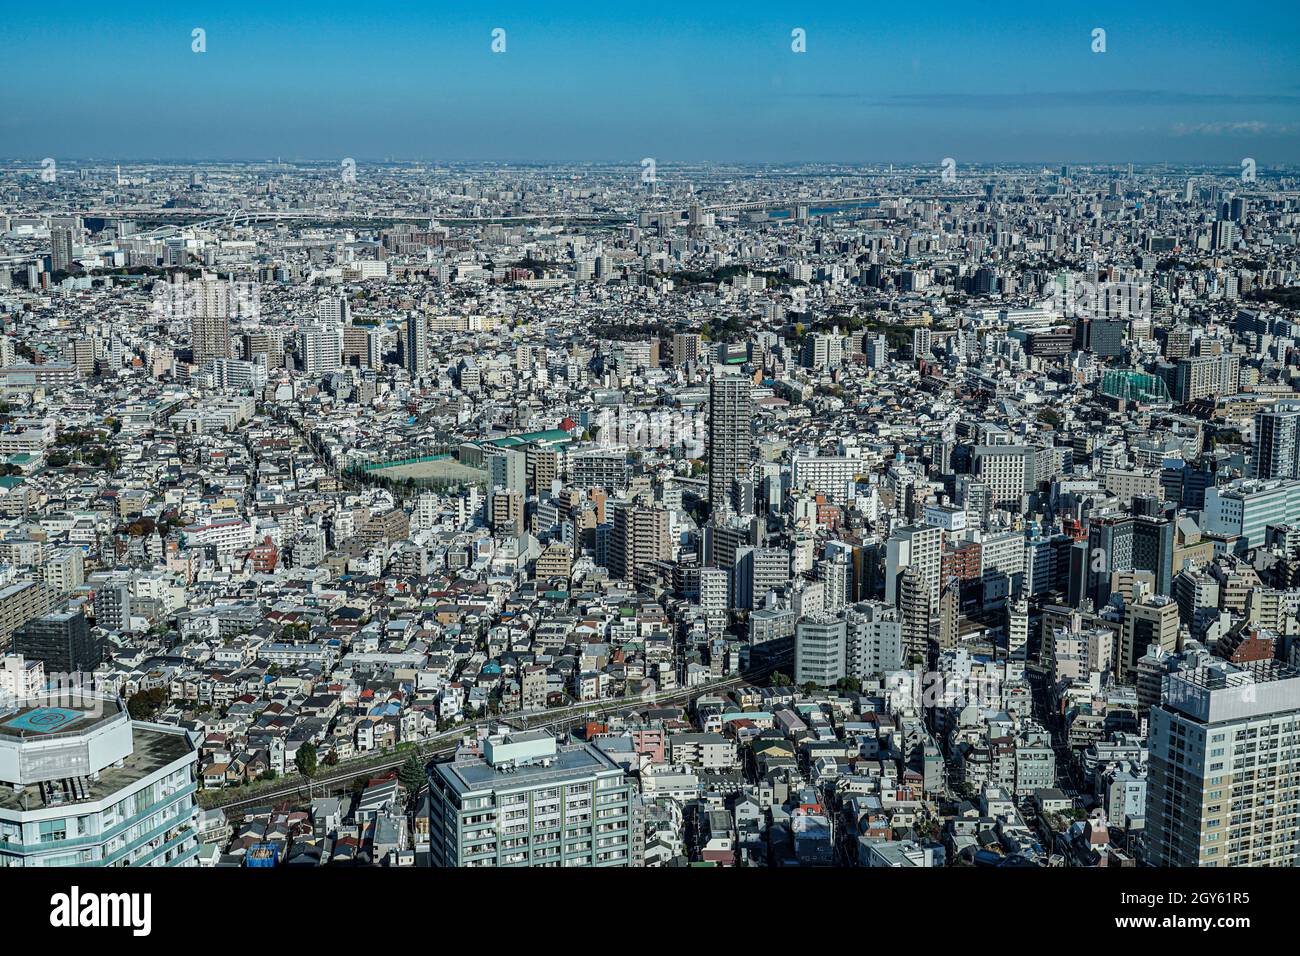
1007,470
334,310
829,475
20,678
820,649
713,591
1223,787
320,349
914,546
922,341
874,639
1276,451
834,572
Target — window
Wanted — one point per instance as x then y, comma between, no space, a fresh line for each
142,800
52,831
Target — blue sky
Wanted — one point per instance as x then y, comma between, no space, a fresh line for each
618,81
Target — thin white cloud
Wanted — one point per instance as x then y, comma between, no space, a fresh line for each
1238,128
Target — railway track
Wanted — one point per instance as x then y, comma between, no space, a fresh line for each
444,744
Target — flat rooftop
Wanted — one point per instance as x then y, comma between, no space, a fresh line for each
475,773
1221,675
1227,692
41,717
152,750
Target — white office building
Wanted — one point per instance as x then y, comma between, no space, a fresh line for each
81,784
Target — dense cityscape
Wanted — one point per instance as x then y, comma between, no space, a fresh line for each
649,515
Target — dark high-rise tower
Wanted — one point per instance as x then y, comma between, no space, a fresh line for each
62,640
731,411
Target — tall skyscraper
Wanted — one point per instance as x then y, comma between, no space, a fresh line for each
416,349
209,319
731,412
1276,452
60,248
1222,785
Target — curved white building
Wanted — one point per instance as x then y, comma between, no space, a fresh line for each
82,784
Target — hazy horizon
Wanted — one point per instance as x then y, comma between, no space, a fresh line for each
1176,83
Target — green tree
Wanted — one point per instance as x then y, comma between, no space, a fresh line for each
411,773
305,761
146,704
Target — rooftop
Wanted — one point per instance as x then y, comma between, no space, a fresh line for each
474,773
1221,674
152,750
41,718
